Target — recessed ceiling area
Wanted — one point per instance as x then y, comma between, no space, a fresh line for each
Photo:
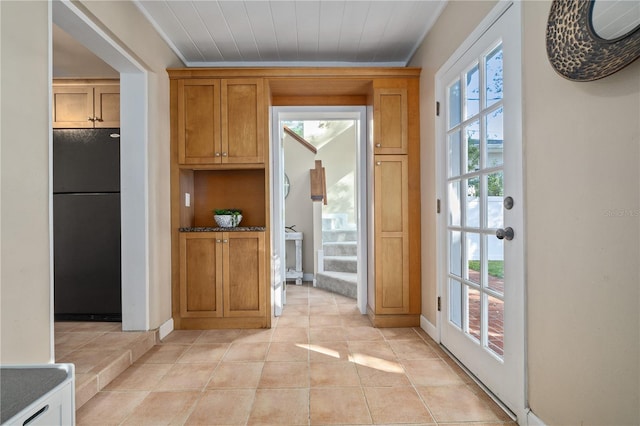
292,32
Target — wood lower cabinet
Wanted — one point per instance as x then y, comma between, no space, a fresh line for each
391,223
221,121
222,277
78,105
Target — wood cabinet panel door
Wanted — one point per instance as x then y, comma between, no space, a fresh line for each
243,121
199,121
200,275
72,107
391,234
390,121
106,106
244,274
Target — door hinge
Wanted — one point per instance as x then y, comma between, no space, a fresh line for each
437,109
438,206
439,307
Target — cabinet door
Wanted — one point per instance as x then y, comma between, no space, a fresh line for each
391,234
106,100
390,121
72,107
244,274
243,121
200,275
199,121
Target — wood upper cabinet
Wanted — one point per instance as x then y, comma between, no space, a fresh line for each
221,121
390,109
391,222
86,106
222,274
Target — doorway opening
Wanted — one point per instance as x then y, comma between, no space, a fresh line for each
133,160
322,241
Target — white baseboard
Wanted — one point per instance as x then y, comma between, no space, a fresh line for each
165,329
533,420
429,328
308,277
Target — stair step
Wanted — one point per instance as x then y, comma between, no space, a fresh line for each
343,283
339,235
342,248
341,264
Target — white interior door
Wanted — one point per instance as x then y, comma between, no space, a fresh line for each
482,280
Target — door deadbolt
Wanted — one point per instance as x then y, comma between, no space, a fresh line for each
508,203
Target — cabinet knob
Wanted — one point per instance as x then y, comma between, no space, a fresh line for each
98,119
225,241
217,154
378,163
91,118
224,154
218,241
378,145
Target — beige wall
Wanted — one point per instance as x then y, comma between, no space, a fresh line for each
298,160
583,226
25,287
453,26
582,191
127,24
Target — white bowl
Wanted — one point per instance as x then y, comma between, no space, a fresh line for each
227,220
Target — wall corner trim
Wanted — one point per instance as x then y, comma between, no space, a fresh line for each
533,420
429,328
165,329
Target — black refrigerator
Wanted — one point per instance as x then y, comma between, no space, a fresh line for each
86,224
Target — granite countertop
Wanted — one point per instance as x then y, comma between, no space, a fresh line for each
218,229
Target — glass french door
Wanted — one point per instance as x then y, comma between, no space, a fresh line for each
482,284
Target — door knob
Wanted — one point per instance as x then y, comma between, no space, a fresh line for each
506,233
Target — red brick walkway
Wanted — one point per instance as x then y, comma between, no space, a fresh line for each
495,314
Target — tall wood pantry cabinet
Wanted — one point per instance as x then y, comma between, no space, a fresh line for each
219,138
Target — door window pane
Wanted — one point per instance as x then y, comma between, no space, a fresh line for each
474,265
495,263
455,253
455,113
455,302
495,312
495,139
454,203
493,71
472,212
472,135
495,200
455,154
472,92
473,312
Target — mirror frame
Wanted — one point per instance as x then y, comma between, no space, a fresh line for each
574,49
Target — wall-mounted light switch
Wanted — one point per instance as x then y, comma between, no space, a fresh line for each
187,199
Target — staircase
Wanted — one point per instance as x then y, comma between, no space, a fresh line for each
340,263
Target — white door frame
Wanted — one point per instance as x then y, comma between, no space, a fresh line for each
134,191
520,408
277,178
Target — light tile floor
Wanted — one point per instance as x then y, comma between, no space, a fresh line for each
322,363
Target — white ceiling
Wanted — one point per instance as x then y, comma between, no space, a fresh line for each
296,32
